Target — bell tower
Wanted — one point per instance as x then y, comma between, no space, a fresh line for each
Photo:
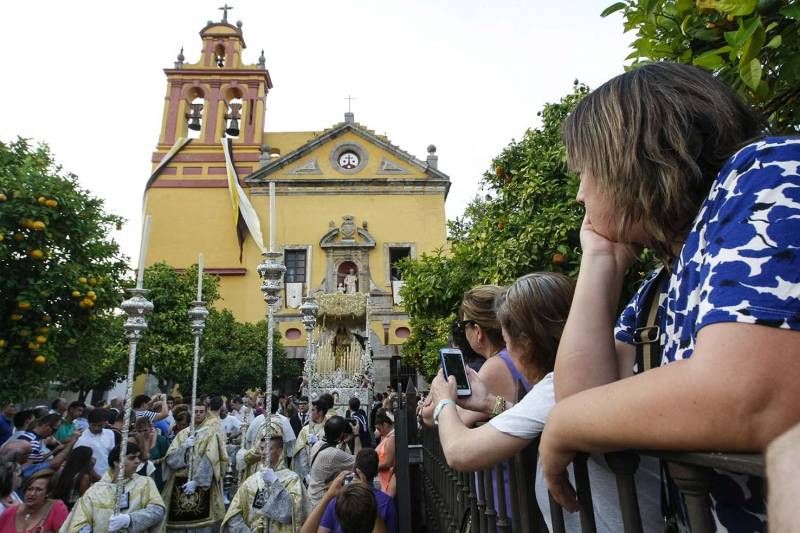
219,95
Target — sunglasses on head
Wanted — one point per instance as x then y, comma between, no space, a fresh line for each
462,324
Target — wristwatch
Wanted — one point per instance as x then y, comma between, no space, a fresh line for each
499,406
438,410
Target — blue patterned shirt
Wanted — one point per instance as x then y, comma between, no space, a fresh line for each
740,263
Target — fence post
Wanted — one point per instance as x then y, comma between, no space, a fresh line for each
401,467
624,466
694,483
584,490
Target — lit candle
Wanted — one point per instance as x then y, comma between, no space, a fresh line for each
143,252
200,278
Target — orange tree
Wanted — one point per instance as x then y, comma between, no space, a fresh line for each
752,45
59,272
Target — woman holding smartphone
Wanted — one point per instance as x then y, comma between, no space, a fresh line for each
532,313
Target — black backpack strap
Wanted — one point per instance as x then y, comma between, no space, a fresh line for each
647,335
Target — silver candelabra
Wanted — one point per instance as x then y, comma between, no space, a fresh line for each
197,319
271,271
136,307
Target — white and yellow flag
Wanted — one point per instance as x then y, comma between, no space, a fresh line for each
245,218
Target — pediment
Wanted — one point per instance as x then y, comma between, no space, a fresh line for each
365,154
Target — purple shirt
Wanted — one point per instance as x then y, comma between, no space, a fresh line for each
386,510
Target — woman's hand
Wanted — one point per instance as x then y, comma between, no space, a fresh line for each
555,457
481,400
426,411
594,244
442,389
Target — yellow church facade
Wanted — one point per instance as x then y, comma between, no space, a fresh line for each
348,206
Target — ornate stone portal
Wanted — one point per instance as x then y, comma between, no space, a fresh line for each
340,360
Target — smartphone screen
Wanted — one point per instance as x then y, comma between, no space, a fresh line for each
453,363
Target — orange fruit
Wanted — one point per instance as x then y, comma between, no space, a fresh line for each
87,302
24,305
51,203
3,197
36,254
42,200
41,339
32,346
91,295
92,281
23,332
38,225
559,258
2,237
76,294
16,317
3,343
39,360
82,280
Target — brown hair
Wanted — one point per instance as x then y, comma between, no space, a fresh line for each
45,473
356,508
533,311
478,305
654,139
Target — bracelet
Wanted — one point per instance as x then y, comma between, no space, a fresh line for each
499,406
438,410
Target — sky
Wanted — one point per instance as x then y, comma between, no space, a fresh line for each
465,75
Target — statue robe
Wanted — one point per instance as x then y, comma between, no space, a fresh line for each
302,448
278,508
204,509
93,510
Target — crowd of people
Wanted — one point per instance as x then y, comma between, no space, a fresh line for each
220,465
704,357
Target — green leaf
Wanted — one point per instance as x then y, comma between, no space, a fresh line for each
792,12
750,73
613,8
775,42
752,47
710,62
737,8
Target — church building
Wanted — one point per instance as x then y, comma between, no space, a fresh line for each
348,203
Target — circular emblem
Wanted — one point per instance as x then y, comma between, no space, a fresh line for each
348,160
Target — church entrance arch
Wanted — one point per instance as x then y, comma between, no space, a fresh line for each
347,277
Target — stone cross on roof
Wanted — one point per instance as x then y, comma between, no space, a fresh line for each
224,10
349,101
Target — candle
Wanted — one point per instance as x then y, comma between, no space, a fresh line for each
271,216
143,252
308,272
200,278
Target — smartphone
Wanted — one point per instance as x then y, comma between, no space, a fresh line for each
349,478
453,365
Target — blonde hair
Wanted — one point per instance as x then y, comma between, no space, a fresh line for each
533,311
653,139
478,306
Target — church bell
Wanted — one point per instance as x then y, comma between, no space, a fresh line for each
193,116
233,116
233,127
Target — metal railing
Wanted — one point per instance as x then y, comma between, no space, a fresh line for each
503,497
